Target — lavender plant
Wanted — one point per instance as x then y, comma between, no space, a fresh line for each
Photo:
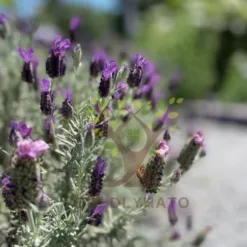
58,172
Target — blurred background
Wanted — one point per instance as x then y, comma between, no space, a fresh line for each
206,42
203,42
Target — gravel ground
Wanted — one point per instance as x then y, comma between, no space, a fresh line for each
216,188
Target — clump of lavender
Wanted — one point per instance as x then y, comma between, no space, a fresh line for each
55,63
97,177
105,82
47,106
136,71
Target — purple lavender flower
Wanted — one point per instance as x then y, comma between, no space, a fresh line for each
120,91
136,71
154,169
31,149
97,63
8,191
172,212
66,109
42,201
95,215
73,26
175,236
154,99
46,100
162,150
27,56
162,120
97,177
55,64
3,18
198,138
105,81
190,151
148,70
18,131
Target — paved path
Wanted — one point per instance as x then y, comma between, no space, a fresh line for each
216,188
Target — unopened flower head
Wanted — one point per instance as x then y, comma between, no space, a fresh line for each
95,215
66,109
55,64
46,99
27,57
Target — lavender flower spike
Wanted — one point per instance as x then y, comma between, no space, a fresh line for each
172,212
46,100
73,25
151,175
190,151
98,63
97,177
136,71
3,18
96,215
66,109
27,57
105,81
55,64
